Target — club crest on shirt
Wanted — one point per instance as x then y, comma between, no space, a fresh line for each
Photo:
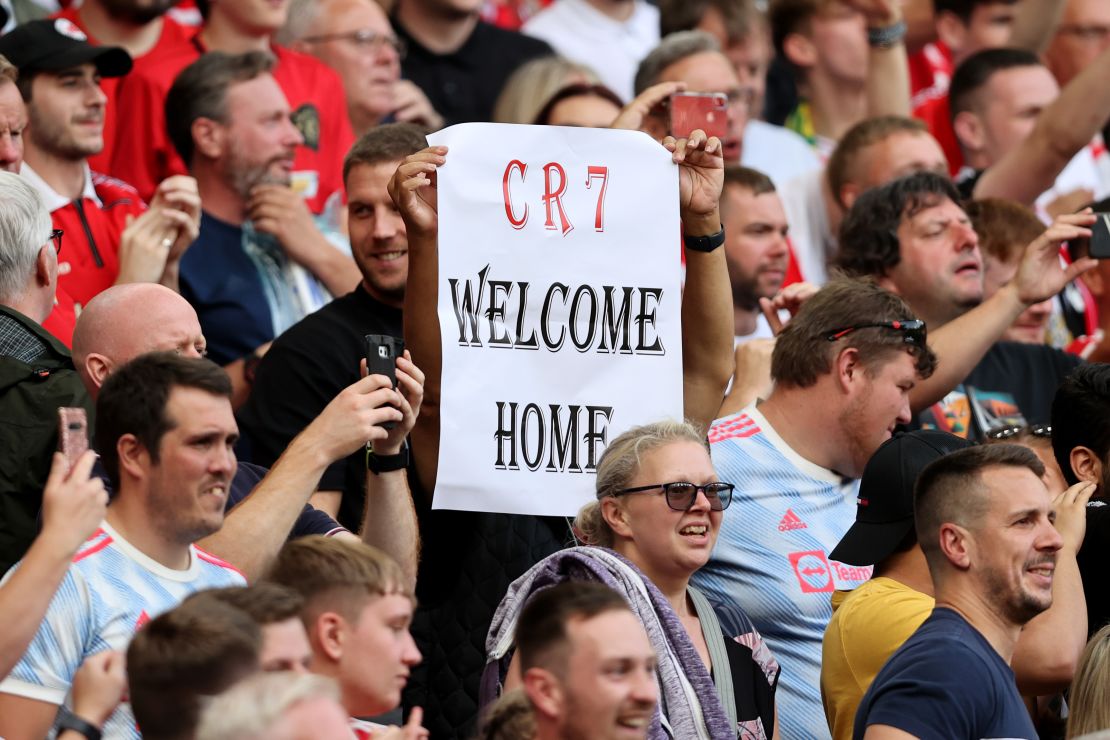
307,120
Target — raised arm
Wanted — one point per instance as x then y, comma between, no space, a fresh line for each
1062,129
960,344
256,529
707,299
73,506
1035,24
389,520
888,71
413,190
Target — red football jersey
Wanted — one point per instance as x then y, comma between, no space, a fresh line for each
173,36
145,156
935,114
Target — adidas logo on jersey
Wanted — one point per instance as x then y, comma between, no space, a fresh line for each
791,522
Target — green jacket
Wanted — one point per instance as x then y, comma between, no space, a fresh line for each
30,395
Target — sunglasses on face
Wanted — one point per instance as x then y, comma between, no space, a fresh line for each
681,495
912,330
1009,431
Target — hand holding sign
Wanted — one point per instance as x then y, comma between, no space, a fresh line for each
413,190
701,179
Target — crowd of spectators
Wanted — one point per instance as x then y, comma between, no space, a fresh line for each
885,511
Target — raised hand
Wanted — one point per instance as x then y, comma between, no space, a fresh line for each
633,115
1040,274
701,174
413,190
73,505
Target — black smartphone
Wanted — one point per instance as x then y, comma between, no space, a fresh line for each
1100,236
73,434
382,352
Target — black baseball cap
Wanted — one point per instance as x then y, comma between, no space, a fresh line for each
52,45
884,509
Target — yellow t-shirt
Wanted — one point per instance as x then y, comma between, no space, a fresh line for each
867,626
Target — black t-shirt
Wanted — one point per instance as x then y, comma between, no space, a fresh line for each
754,694
1092,558
464,85
304,370
1013,381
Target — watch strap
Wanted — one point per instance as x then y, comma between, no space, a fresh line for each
704,243
67,720
387,463
887,36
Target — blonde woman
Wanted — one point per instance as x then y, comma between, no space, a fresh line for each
656,518
1089,701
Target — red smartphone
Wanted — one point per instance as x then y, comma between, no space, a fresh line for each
707,111
73,434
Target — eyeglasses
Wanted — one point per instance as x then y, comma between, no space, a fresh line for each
363,38
1009,431
913,330
56,237
681,495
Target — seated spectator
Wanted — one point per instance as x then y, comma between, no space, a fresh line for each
13,118
850,356
592,106
145,151
531,86
693,61
464,548
179,659
277,612
848,61
165,430
611,37
874,620
457,59
1081,442
1078,40
1025,139
658,510
129,320
319,356
357,609
113,237
143,29
872,153
36,371
1004,229
984,521
354,38
259,264
569,636
1088,711
268,706
744,35
914,238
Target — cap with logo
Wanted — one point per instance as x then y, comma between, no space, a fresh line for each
53,45
884,509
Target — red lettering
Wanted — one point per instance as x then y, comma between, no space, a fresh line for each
551,194
518,223
602,172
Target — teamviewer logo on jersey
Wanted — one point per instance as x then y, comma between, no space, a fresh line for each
790,522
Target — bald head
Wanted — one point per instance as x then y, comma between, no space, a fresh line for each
126,321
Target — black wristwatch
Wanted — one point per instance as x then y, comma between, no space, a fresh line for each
387,463
67,720
704,243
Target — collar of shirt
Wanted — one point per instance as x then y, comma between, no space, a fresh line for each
53,199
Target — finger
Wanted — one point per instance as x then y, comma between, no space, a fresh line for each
362,371
82,469
771,314
670,143
1083,495
370,383
411,369
695,140
679,151
713,145
1077,268
416,718
58,470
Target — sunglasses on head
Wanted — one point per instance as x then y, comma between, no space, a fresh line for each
682,495
1009,431
912,330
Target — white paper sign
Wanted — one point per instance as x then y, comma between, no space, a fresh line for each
559,308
